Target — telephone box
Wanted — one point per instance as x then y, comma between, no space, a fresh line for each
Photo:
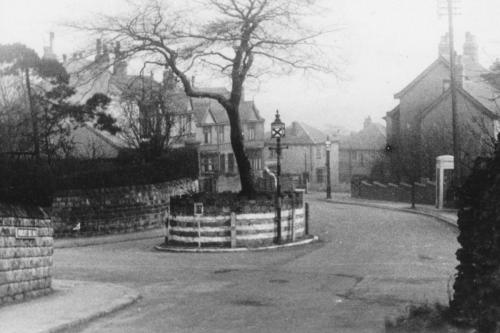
444,179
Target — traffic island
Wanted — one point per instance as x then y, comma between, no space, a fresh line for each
224,222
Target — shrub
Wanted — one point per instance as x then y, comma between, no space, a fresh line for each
420,318
476,299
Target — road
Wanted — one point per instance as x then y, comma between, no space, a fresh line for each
369,264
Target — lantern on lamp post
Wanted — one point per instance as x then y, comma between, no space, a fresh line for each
328,145
278,132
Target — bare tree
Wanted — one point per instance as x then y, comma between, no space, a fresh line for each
243,38
155,115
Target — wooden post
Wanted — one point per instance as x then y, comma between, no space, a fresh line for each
306,205
292,226
233,230
199,233
167,225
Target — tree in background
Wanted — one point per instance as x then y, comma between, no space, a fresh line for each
243,38
43,98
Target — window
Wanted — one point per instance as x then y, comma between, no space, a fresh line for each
189,128
319,175
251,132
256,163
318,152
222,163
230,162
207,135
206,164
220,134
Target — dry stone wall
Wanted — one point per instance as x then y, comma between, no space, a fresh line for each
115,210
26,248
425,193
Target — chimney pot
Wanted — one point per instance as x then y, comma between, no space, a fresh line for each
470,50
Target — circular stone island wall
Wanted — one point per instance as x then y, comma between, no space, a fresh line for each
230,223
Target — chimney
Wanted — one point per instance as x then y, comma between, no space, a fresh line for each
470,49
105,52
295,129
117,51
65,58
48,51
444,46
98,49
51,45
367,122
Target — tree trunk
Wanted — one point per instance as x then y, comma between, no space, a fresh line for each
237,143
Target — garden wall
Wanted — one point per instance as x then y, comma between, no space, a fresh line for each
425,193
247,224
26,247
115,210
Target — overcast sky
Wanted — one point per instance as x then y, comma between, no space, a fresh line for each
384,44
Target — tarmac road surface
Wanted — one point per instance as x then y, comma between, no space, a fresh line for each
369,264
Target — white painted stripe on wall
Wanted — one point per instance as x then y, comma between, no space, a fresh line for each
253,216
199,239
261,236
202,229
181,218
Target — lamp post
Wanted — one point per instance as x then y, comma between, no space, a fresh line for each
278,132
328,145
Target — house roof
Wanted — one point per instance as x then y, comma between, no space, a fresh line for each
372,137
299,133
491,111
393,112
430,68
202,106
472,70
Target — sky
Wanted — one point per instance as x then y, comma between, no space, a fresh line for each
382,45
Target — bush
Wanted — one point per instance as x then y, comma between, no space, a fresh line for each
420,318
476,299
28,182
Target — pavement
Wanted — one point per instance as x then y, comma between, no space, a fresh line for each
74,304
71,304
445,215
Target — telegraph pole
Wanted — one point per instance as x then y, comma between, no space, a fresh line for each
453,87
450,12
34,119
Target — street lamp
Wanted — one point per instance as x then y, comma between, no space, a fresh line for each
278,132
328,145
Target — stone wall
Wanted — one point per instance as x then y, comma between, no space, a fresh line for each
253,225
115,210
425,193
26,247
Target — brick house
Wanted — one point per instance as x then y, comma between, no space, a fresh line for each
422,118
358,152
212,133
305,155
